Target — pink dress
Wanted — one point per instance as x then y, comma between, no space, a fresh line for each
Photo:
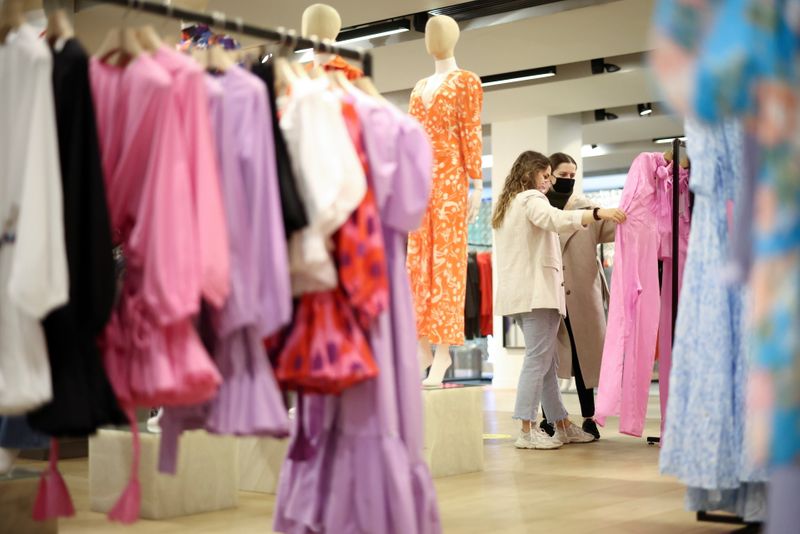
639,319
155,194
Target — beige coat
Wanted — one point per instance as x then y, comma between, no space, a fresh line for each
529,273
586,292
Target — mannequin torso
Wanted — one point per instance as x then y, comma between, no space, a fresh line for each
432,83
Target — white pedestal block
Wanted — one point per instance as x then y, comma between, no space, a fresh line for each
17,495
206,480
453,430
260,461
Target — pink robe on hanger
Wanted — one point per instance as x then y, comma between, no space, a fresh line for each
638,317
152,352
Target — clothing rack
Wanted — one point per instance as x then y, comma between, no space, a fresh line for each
218,19
677,144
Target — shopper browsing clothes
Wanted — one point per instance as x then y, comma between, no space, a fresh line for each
580,343
531,289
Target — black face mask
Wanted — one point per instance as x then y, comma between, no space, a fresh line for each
560,193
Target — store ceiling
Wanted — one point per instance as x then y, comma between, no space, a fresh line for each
563,33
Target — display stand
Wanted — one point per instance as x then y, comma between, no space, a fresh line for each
453,426
676,192
453,429
207,477
17,494
260,462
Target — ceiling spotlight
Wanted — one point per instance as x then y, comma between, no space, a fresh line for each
645,109
599,66
603,115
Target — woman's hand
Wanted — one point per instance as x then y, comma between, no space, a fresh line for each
612,214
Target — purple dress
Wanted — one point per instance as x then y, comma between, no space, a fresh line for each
367,473
249,401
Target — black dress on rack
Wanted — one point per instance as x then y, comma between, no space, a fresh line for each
82,396
472,301
294,212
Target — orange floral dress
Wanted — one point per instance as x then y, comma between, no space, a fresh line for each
437,251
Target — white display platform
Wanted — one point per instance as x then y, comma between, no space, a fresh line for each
453,430
453,440
260,461
206,480
17,495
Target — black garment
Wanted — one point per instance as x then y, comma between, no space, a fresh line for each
82,396
472,304
294,212
585,395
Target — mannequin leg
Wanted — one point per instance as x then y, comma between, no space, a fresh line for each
154,422
425,355
441,363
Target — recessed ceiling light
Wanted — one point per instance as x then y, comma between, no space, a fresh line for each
517,76
645,109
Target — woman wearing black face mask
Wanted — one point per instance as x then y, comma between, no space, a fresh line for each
581,341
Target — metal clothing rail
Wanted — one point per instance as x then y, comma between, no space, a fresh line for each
677,144
218,19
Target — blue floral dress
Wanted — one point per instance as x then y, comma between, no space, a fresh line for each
723,58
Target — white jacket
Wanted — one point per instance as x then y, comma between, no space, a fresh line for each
529,267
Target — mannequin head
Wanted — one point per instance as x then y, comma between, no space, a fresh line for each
321,20
441,36
531,170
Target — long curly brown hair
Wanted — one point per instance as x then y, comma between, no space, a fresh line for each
521,178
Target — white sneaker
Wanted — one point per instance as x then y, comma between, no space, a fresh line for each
536,439
572,433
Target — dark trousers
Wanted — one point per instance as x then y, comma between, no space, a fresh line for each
585,395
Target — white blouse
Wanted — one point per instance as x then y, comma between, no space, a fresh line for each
33,261
331,180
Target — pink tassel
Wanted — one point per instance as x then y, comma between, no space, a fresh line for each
52,499
127,508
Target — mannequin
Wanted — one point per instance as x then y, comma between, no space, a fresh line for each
438,283
321,21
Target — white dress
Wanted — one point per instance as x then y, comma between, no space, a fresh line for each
33,262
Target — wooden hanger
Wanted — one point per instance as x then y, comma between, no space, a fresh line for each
11,18
285,75
59,26
149,38
219,59
120,44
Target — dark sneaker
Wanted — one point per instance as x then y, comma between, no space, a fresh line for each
590,427
547,428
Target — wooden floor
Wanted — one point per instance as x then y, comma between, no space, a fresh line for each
610,486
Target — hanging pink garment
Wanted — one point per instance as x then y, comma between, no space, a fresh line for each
151,351
637,314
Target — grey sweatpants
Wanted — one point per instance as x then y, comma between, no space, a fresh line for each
538,381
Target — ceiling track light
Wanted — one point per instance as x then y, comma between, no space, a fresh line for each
599,66
603,115
665,140
371,31
518,76
645,109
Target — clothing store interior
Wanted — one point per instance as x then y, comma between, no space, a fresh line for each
511,266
